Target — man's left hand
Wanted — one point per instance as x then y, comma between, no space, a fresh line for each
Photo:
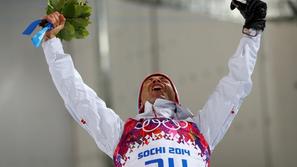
254,12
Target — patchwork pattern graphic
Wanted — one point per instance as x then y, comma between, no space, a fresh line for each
142,132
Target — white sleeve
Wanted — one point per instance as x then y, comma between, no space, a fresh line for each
102,123
217,114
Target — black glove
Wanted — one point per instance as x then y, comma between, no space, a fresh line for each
254,12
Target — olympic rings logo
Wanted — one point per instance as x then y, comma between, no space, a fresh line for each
150,125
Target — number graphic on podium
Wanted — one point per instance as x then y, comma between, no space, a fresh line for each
160,162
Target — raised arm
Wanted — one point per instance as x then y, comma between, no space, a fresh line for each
216,116
102,123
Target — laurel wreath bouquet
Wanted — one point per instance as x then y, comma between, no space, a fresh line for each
77,14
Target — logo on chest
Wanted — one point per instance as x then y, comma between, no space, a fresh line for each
149,139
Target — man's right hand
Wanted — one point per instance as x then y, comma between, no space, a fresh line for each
58,20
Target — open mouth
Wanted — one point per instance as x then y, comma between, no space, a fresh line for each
158,91
157,88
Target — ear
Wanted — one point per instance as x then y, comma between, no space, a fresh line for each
141,109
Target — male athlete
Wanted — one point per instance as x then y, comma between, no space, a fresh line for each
163,133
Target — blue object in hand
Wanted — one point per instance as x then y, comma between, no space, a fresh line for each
37,38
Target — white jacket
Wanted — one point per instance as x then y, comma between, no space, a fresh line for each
106,127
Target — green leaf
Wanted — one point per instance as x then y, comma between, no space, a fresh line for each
68,32
72,1
81,33
50,10
52,3
76,12
57,5
79,22
68,10
82,10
